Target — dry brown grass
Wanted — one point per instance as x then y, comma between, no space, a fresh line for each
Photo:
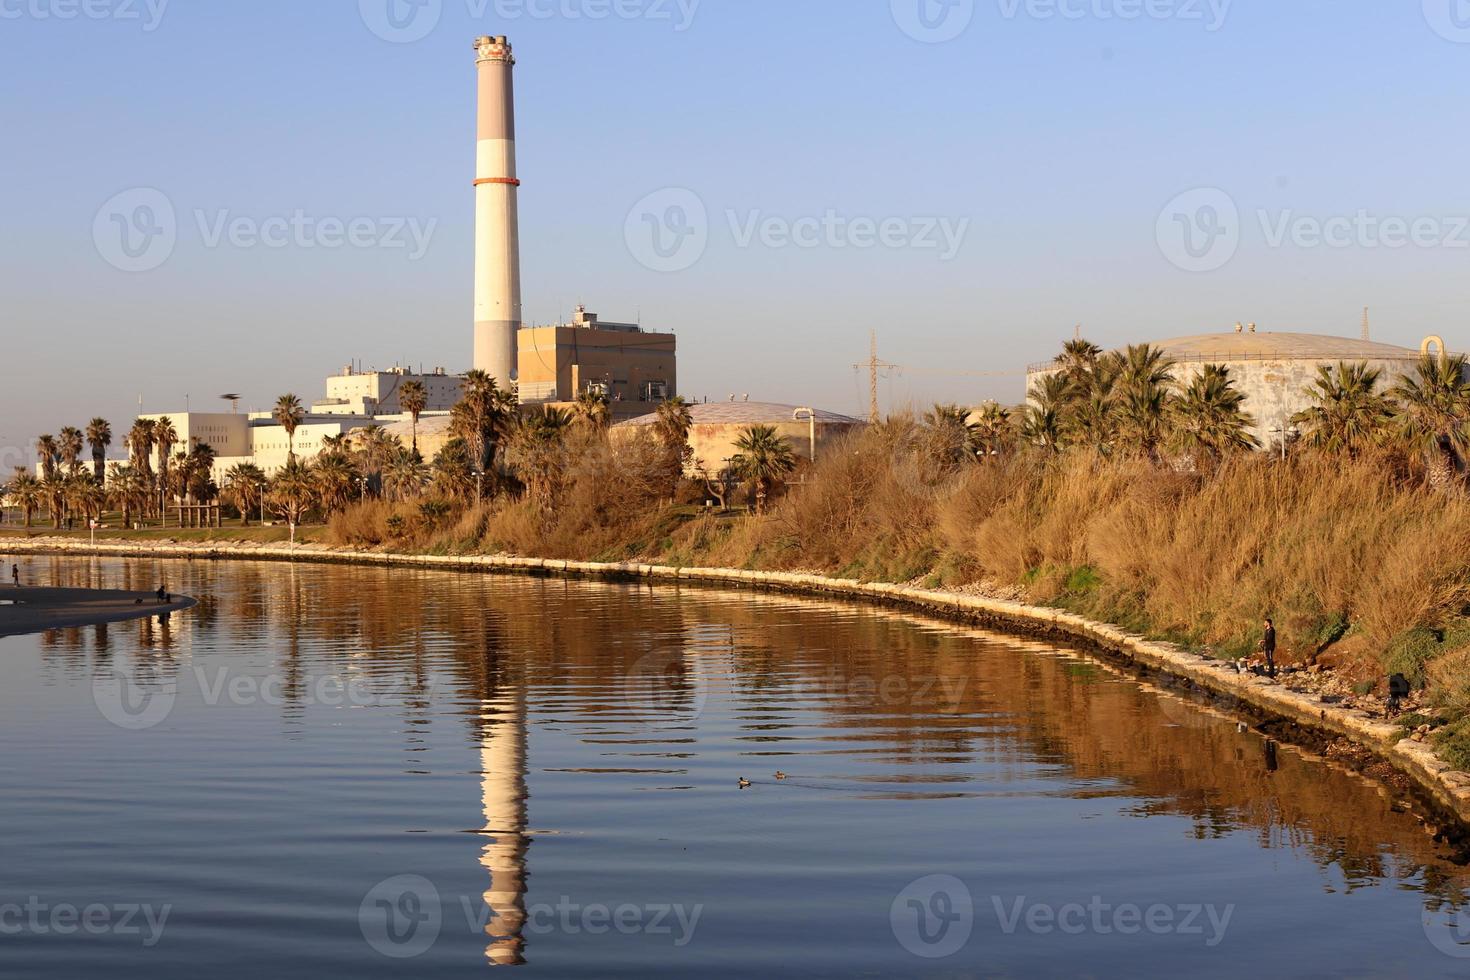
1346,555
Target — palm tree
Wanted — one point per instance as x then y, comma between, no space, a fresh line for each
1207,421
1348,413
414,398
764,457
671,425
140,448
1044,424
593,409
70,445
83,495
405,475
454,470
335,479
53,489
243,489
535,452
1434,417
483,417
992,431
1143,398
949,436
200,485
27,493
375,450
126,487
1077,359
289,414
165,438
99,437
49,453
292,493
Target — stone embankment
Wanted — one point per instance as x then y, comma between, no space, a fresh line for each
1449,787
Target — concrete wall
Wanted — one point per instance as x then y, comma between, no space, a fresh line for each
1276,390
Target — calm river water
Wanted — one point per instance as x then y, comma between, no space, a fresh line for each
326,771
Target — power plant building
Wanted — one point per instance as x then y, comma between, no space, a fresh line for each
633,368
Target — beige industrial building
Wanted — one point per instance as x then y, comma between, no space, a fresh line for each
1274,370
718,425
633,368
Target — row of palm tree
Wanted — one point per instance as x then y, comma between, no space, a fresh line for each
494,448
1134,402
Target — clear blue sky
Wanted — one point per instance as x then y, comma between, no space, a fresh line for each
1059,139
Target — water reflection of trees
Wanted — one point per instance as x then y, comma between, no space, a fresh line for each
431,639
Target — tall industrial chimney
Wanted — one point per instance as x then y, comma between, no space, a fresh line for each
497,225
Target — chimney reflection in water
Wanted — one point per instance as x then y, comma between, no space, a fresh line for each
503,788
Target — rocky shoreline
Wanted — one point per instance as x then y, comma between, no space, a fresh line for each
1309,703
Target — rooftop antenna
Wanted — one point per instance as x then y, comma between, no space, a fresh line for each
1365,323
234,401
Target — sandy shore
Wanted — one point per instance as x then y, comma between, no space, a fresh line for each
30,610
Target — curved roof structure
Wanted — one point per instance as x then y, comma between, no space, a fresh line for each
1281,347
748,413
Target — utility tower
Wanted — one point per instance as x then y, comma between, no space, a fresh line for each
874,366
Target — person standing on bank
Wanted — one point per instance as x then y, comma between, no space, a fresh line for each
1268,647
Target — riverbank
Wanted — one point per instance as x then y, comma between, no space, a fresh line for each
1307,709
32,609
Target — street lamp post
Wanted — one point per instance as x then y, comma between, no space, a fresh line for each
262,505
811,417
